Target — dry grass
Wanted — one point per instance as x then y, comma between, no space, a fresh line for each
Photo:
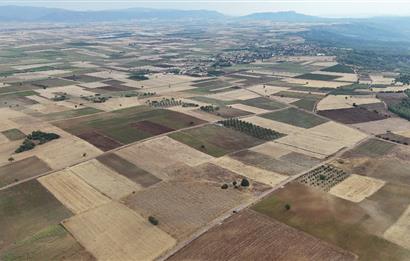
356,188
240,94
105,180
115,232
399,233
332,102
72,191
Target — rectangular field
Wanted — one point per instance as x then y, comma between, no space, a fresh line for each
295,117
122,234
252,236
72,191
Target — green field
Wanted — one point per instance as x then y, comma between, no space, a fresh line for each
374,147
318,77
264,103
13,134
215,140
295,117
70,114
340,68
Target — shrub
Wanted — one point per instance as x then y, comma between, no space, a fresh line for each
224,186
153,220
287,206
245,183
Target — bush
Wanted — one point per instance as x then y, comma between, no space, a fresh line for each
224,186
287,206
153,220
245,183
27,145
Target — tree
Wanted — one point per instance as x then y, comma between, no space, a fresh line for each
11,159
224,186
287,206
245,183
153,220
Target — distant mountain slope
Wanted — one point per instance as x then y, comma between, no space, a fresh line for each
289,16
39,14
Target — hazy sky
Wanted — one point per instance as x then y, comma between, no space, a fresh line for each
330,8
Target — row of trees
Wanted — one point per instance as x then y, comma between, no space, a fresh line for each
251,129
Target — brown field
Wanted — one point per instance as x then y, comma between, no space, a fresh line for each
159,154
399,232
151,127
115,232
391,98
105,180
333,102
217,176
383,126
253,236
184,207
352,115
99,140
261,175
72,191
22,169
354,227
128,170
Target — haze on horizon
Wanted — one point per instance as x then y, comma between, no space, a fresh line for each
329,8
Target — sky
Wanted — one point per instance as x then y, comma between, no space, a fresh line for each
326,8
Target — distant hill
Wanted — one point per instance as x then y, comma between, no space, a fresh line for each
289,16
40,14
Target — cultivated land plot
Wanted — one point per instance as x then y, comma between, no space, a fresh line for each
184,207
118,125
295,117
13,134
261,175
26,209
352,115
250,235
22,169
115,232
128,170
356,188
383,126
159,154
215,140
240,94
399,232
51,243
332,102
72,191
263,103
99,140
335,220
105,180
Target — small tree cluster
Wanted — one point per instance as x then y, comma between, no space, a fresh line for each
251,129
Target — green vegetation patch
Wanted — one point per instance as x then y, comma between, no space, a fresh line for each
14,134
264,103
306,104
26,209
402,108
295,117
374,147
215,140
251,129
339,68
319,77
70,114
36,138
352,89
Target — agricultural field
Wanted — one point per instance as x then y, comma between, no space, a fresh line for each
192,141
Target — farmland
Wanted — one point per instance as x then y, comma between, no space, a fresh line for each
148,140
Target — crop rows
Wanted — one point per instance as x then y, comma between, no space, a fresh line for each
323,177
251,129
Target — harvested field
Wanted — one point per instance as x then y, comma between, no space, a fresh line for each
128,170
99,140
22,169
105,180
399,232
184,207
25,209
122,234
271,149
72,191
51,243
216,175
252,236
215,140
323,177
157,155
356,188
13,134
151,127
280,165
337,221
333,102
383,126
264,176
316,83
240,94
263,103
265,90
295,117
